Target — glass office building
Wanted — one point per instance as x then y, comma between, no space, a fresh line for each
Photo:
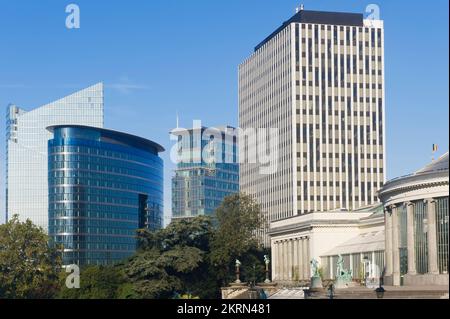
207,171
26,149
103,186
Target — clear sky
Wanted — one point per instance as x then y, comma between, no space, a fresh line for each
158,58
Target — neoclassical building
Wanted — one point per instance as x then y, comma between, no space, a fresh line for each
416,221
355,235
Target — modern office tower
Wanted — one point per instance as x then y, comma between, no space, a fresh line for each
319,79
103,186
26,149
208,170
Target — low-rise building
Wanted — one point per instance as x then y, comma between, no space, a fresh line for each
324,236
416,214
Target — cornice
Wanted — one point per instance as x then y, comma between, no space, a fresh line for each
407,186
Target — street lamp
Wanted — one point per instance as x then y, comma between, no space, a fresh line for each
331,291
380,292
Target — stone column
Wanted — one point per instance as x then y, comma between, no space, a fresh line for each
432,238
351,264
308,258
305,259
278,257
290,259
410,239
285,261
281,260
374,274
274,264
388,242
332,270
395,247
295,263
301,259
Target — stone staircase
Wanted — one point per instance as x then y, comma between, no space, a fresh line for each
289,293
353,292
393,293
390,293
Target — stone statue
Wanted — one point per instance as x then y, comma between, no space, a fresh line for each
238,263
266,259
340,266
315,268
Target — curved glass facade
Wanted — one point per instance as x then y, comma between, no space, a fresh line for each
103,186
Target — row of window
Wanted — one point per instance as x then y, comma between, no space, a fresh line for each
101,150
106,168
350,32
342,169
77,208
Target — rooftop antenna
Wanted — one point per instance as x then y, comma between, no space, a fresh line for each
178,121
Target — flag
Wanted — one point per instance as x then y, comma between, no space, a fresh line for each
435,147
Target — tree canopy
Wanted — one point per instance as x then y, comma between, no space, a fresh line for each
239,219
189,259
29,267
173,261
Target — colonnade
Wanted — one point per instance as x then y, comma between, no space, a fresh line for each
290,259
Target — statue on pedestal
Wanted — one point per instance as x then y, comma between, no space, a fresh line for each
316,280
343,276
238,264
267,262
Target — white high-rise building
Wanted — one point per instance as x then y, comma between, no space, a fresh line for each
319,79
26,149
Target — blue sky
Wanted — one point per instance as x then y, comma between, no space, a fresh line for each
158,58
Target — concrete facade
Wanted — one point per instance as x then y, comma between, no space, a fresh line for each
319,79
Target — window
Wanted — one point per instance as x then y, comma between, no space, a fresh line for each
442,234
420,236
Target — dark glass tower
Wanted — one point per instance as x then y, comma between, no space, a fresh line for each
103,186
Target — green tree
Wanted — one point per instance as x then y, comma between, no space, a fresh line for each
29,267
96,282
238,219
173,261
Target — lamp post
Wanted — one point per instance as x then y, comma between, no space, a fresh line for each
253,283
380,292
331,291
